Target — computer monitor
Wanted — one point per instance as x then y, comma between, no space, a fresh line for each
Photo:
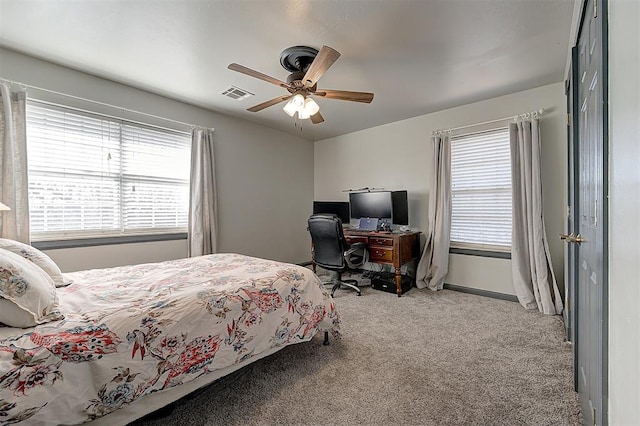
339,208
400,207
371,204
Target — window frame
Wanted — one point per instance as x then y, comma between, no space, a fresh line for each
95,237
471,248
107,241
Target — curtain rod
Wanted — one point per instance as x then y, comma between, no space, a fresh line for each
25,86
526,116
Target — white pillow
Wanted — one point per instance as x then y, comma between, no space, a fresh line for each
27,293
36,256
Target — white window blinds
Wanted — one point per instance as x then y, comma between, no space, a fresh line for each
92,175
481,190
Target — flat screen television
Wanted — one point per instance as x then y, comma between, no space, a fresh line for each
339,208
400,207
371,204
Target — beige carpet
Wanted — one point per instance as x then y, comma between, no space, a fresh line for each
445,358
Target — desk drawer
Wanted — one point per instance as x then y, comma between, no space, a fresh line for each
378,241
381,254
351,240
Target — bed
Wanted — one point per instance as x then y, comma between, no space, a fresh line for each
136,338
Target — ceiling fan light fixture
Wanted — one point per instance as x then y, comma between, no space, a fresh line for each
304,107
295,104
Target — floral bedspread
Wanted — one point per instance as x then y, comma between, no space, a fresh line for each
134,330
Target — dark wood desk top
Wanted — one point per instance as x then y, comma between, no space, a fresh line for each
350,231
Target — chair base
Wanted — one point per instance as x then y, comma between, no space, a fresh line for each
349,283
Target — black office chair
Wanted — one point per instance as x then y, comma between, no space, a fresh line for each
331,251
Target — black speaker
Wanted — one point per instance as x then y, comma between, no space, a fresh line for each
386,281
400,207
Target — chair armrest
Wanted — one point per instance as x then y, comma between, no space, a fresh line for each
357,246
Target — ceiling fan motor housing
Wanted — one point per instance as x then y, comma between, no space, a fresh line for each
295,80
296,76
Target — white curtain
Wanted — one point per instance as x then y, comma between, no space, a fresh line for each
533,277
14,187
434,263
203,209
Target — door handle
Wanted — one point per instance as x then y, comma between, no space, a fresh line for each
578,239
570,238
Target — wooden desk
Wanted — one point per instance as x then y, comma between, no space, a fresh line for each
388,248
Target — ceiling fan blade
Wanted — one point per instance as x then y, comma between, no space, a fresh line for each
268,103
345,95
325,58
256,74
317,118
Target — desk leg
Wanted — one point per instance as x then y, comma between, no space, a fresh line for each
399,281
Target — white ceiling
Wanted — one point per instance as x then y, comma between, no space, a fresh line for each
417,57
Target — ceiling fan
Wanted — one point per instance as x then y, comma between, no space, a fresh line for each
306,66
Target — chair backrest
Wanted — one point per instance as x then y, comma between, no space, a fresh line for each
328,240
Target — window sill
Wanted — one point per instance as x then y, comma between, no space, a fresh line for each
481,253
106,241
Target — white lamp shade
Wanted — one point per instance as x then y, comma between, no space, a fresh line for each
290,108
310,106
298,101
4,207
303,114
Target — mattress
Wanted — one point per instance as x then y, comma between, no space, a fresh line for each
133,332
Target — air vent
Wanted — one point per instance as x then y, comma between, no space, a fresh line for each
237,93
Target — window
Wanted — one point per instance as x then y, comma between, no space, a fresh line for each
481,191
92,175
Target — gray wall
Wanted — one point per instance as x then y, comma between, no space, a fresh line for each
264,176
624,212
398,155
